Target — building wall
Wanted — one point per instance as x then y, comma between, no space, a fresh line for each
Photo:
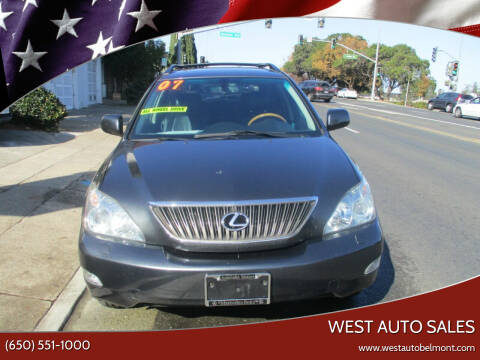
79,87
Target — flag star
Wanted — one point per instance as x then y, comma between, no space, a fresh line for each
3,16
111,48
94,1
29,57
144,17
122,7
99,47
31,2
66,24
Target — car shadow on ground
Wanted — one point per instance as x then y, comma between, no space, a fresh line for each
66,191
15,137
223,315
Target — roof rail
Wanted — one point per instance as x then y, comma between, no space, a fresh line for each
174,67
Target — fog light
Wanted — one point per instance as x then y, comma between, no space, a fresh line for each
92,278
373,266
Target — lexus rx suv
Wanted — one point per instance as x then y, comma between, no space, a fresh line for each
226,188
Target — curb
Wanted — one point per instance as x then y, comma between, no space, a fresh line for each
62,308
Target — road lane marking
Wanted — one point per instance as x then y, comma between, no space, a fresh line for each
414,116
419,127
353,131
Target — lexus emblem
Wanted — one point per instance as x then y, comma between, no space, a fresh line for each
235,221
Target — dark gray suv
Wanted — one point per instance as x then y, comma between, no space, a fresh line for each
227,189
447,101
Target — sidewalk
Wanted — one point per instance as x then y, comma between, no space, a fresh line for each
43,178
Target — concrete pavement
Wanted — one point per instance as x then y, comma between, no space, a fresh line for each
43,178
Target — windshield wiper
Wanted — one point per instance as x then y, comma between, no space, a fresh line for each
170,138
240,133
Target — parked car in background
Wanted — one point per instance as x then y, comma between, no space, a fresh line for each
316,90
470,108
227,188
447,101
347,93
334,90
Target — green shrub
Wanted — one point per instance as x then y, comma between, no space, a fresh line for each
419,105
40,109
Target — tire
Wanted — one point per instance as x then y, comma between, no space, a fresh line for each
449,108
458,112
310,97
327,100
430,106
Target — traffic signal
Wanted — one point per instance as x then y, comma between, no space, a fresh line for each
334,43
434,54
321,23
202,59
184,58
300,39
455,68
268,23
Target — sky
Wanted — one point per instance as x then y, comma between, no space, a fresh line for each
258,44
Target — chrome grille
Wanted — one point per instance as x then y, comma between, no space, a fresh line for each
202,221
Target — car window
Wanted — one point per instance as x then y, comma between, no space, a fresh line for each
209,105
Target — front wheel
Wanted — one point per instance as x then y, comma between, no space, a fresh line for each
430,106
449,108
310,97
458,112
327,100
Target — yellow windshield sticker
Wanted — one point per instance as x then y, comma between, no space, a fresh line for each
163,109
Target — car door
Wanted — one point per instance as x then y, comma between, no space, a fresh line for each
475,107
445,100
439,100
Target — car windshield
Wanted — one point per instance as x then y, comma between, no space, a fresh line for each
233,106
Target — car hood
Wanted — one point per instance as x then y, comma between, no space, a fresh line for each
241,169
140,172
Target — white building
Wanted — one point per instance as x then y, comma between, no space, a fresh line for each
79,87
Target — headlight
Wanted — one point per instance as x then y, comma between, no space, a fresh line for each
355,208
104,216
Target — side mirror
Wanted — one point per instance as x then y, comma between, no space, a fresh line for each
112,124
337,118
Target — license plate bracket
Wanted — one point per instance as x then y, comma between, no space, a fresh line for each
237,289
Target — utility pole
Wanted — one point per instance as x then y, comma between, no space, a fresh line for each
406,94
375,71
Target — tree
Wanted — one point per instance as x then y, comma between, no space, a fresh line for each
398,65
189,49
354,73
172,50
425,86
132,69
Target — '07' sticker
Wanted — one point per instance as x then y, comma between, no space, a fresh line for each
170,84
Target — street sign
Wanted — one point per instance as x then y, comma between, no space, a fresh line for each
350,56
230,34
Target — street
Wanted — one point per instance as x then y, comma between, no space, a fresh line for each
424,171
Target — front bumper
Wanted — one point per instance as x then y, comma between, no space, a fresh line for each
322,96
134,275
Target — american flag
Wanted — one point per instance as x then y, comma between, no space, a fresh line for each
40,39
